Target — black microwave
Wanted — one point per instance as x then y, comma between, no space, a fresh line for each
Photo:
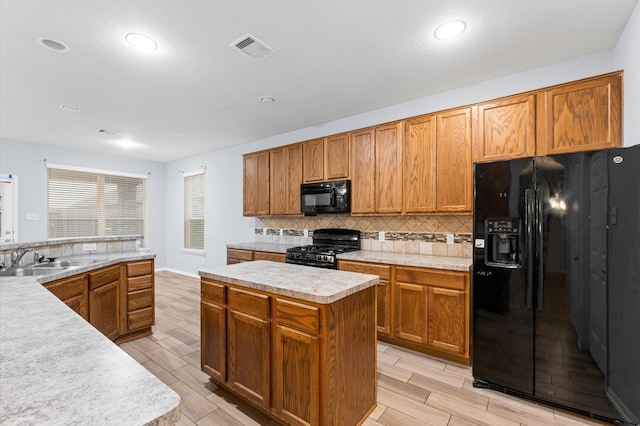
326,197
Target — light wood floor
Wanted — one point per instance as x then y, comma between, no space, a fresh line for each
413,389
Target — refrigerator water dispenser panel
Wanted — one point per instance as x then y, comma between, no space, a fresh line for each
502,242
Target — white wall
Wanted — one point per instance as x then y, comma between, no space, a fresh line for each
25,160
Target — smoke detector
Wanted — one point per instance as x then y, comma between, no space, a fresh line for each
253,47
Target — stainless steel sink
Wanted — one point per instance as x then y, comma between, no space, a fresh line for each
47,268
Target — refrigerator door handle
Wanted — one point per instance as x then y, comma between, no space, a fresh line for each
539,202
528,257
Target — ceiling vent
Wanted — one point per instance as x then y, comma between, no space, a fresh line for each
252,47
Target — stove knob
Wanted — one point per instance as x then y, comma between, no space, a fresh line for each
324,257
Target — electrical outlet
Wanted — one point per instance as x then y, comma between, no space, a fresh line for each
281,232
90,247
449,238
381,236
306,233
264,231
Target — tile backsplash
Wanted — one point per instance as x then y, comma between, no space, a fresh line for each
397,234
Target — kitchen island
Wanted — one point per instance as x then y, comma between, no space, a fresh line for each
295,341
56,368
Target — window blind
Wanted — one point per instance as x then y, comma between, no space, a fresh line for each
194,211
82,203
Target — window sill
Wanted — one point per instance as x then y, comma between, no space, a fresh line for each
194,252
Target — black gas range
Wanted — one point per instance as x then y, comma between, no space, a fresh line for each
327,245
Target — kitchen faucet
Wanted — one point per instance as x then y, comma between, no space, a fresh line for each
16,256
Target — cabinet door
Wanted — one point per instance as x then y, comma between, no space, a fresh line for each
297,376
383,291
313,160
293,155
446,321
581,116
104,309
274,257
388,178
506,129
249,357
213,326
363,166
277,181
420,165
336,157
411,312
256,184
285,171
454,165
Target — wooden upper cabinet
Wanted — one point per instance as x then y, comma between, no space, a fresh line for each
363,164
313,160
326,159
420,164
285,177
506,129
255,187
388,177
580,116
336,156
453,158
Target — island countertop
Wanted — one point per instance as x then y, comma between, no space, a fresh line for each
317,285
55,368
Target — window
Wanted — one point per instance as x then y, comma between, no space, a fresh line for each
194,211
87,203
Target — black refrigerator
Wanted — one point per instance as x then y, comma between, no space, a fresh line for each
556,280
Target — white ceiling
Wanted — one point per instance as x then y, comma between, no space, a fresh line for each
333,59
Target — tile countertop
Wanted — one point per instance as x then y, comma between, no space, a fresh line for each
419,260
55,368
308,283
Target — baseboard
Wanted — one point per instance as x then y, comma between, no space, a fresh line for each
177,271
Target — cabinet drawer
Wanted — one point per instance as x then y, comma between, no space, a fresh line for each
297,315
274,257
212,291
140,318
135,269
104,276
68,288
432,277
240,254
249,302
383,271
139,283
139,299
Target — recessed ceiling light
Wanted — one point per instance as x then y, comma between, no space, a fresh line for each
141,41
69,108
450,30
55,45
267,100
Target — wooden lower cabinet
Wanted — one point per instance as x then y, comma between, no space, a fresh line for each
104,300
117,300
383,291
213,330
73,292
238,256
140,294
291,358
423,309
